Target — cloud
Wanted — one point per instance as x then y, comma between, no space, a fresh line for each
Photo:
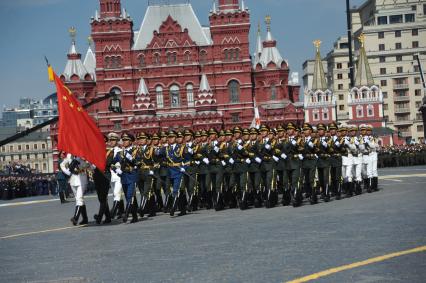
28,3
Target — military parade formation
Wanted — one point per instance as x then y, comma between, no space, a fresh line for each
183,171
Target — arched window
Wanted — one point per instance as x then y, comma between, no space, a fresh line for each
237,54
171,58
370,110
159,94
174,96
187,56
364,93
156,59
190,95
273,92
142,61
325,114
107,62
234,91
203,57
226,54
359,111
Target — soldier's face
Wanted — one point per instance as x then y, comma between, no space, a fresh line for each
246,137
213,137
188,138
307,132
352,133
290,132
237,135
253,137
280,134
321,133
204,138
172,140
264,133
127,143
369,133
333,132
228,138
221,138
155,142
179,140
142,142
163,139
363,132
113,143
270,136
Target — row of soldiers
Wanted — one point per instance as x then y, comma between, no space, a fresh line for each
402,155
19,186
185,171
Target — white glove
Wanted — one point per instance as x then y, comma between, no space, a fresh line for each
300,156
337,143
334,138
215,143
347,142
231,160
129,156
190,150
197,162
324,144
258,160
293,142
117,165
118,171
275,158
151,173
240,147
182,169
216,149
311,144
206,161
356,142
267,146
67,172
223,163
283,156
239,141
366,140
248,161
316,156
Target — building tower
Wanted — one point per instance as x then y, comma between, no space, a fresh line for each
319,104
365,101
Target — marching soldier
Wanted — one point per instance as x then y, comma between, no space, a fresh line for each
254,162
372,165
215,170
281,166
146,177
61,178
75,168
357,160
163,182
293,149
267,167
226,147
309,163
114,169
202,160
176,169
155,143
129,162
336,149
323,164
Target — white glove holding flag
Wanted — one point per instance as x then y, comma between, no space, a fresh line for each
118,171
182,170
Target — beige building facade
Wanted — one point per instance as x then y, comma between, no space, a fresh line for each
34,151
395,33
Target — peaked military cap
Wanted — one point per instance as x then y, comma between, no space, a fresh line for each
246,132
353,128
332,126
155,137
204,133
254,131
280,129
127,137
197,134
264,128
163,134
221,133
171,134
237,130
291,126
307,126
141,135
179,134
113,137
228,133
321,126
369,127
212,132
343,128
188,132
363,127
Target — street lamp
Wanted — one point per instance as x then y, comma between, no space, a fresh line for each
115,102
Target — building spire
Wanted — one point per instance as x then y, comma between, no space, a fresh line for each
259,46
268,28
73,33
319,82
204,84
74,66
243,5
214,9
364,76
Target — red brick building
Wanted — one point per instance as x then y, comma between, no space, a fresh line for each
174,73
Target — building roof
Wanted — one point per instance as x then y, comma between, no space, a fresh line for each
143,89
318,82
74,65
90,63
270,52
182,13
364,77
204,84
7,132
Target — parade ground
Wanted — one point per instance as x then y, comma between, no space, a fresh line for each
378,237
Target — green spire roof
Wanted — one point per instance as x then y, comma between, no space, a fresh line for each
364,76
319,82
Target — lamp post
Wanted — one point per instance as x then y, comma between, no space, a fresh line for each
423,107
349,24
115,102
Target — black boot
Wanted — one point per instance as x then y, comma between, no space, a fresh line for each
327,193
77,212
358,189
243,201
314,196
182,204
174,206
107,214
62,197
85,220
297,197
368,185
159,201
375,184
127,212
98,217
120,209
114,209
152,205
142,208
339,190
168,203
134,211
349,189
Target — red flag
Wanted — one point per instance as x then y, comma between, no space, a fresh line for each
78,133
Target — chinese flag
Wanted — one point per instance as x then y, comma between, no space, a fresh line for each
78,133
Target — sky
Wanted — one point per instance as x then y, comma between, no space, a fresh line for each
32,29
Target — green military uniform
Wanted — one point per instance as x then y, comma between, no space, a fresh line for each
191,168
267,168
253,148
323,163
239,176
335,149
309,163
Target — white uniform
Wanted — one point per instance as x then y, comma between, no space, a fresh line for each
357,159
372,165
365,172
347,161
78,182
116,186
